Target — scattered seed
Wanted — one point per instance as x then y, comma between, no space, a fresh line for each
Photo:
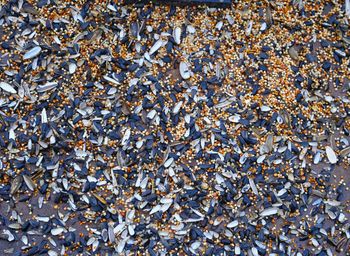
32,53
332,157
7,88
184,70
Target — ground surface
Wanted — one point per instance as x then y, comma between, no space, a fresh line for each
165,130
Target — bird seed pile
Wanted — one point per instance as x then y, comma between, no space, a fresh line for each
163,130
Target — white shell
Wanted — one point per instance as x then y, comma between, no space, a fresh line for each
184,70
168,162
253,186
233,224
191,29
29,182
255,251
72,67
52,253
152,114
195,245
43,116
249,28
155,47
46,87
219,25
126,136
332,157
317,157
177,35
121,246
177,107
109,79
95,245
57,231
155,209
7,87
269,211
237,250
32,53
265,108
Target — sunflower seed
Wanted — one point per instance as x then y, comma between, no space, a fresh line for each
29,182
233,224
332,157
46,87
177,107
177,35
345,152
16,184
168,162
191,29
184,70
155,47
57,231
269,212
7,87
32,53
